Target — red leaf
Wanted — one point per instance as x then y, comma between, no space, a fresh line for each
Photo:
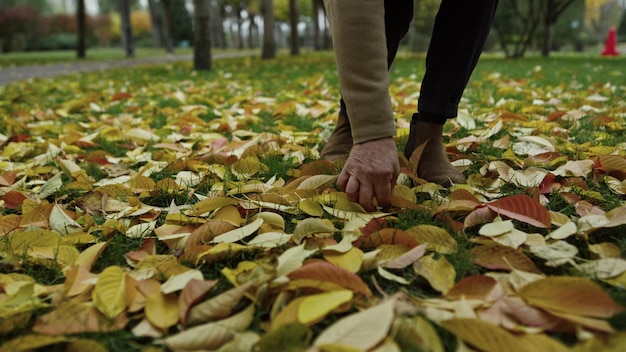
13,199
548,184
523,208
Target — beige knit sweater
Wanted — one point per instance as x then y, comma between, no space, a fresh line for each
358,34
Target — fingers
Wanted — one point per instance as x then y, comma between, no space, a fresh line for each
383,191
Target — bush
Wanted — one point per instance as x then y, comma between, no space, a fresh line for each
57,41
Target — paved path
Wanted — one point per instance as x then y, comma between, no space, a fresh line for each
20,73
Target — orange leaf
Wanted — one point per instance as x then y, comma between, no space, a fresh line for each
569,294
523,208
386,236
473,287
323,271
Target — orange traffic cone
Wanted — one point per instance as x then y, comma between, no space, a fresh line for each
610,48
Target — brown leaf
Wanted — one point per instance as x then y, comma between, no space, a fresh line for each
322,271
77,318
191,294
499,257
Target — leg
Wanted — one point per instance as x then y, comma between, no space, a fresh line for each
398,17
461,29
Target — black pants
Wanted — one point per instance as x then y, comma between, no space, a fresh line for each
460,31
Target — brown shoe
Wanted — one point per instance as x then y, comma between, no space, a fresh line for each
433,164
340,142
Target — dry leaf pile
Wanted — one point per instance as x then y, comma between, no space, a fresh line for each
194,214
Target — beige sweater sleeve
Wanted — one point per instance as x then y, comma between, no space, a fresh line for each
358,33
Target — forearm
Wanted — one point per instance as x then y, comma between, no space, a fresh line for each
358,33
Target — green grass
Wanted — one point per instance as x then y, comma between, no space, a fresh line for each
238,80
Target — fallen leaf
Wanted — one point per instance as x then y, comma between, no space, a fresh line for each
362,330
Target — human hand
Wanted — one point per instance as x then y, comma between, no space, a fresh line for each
370,172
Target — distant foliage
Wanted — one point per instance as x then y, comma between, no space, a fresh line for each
16,27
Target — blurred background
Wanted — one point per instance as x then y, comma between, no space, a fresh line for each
522,27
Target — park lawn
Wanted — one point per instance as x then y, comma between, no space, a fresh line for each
163,208
65,56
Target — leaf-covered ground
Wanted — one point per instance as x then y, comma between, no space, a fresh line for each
158,208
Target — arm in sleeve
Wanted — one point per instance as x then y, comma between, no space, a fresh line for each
358,34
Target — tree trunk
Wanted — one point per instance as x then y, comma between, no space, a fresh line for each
239,28
127,29
253,32
81,20
155,22
293,17
548,39
167,28
269,41
201,36
317,41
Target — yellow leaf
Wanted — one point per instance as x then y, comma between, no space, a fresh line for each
240,233
271,218
350,260
405,192
88,257
311,207
484,336
210,204
437,238
314,308
312,226
109,293
417,334
229,214
439,273
317,182
221,251
162,309
247,167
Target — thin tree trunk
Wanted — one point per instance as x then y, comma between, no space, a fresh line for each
81,20
127,29
269,42
167,28
155,22
201,35
294,14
